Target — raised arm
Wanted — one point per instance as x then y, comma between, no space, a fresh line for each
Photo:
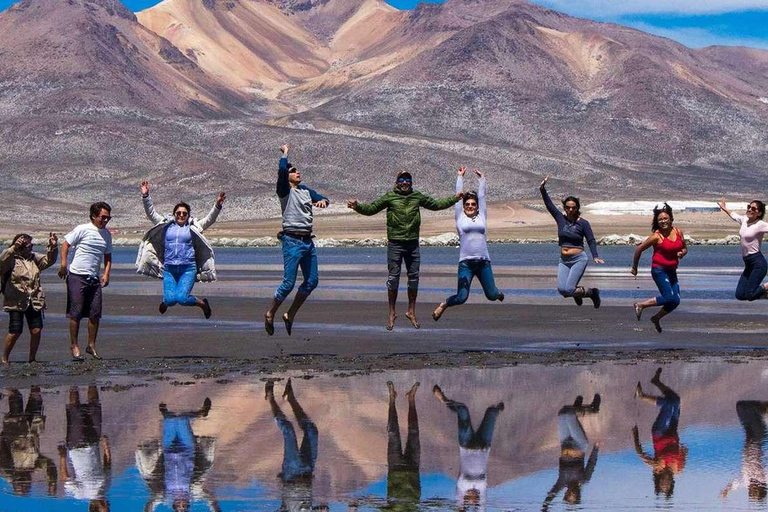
370,208
283,187
648,242
481,193
433,204
52,252
149,209
551,208
459,189
639,448
209,219
728,212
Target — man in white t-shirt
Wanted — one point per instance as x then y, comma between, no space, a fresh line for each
92,245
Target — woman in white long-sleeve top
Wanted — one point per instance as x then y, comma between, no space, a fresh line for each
751,232
176,251
474,260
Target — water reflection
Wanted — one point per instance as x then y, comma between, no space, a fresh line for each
175,468
85,460
474,450
574,445
267,453
751,414
20,456
669,455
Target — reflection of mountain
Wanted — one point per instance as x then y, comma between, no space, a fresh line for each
86,91
351,416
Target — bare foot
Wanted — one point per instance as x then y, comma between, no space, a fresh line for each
391,388
391,321
288,391
269,390
438,312
412,317
638,390
656,377
412,392
439,394
4,361
269,323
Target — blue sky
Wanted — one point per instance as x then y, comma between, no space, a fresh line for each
696,23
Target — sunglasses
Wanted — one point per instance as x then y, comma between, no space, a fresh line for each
404,180
753,209
292,170
106,218
181,214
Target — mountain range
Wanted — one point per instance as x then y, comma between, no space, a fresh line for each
197,95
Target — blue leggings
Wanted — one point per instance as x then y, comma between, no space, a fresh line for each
666,281
569,273
468,269
178,281
751,280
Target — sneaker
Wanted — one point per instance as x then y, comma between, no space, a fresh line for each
578,300
500,296
163,307
595,405
595,297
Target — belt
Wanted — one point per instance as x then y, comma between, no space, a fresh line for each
299,236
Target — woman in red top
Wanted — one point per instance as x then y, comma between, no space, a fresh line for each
668,247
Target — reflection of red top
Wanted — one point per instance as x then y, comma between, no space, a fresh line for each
665,252
667,449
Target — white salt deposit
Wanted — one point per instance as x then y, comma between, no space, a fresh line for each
646,207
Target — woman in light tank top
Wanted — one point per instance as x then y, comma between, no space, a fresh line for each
668,247
751,232
474,260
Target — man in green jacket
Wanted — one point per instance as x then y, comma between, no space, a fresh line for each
403,222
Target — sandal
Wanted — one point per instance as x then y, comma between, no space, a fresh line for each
269,325
288,323
638,311
89,350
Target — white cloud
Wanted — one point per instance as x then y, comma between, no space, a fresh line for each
610,8
698,37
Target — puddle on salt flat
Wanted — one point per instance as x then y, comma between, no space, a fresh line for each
113,444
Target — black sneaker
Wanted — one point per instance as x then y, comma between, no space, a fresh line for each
578,300
206,309
595,297
163,307
579,401
595,405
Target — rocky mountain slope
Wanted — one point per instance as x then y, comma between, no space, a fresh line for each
197,94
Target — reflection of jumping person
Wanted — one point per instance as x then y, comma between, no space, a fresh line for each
574,445
474,260
296,202
668,248
175,469
91,470
669,455
403,481
572,229
474,450
176,251
20,456
403,224
298,462
751,232
752,416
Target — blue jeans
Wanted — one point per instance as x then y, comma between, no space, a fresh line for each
669,415
177,433
468,437
666,281
298,252
178,281
569,273
751,280
298,461
468,269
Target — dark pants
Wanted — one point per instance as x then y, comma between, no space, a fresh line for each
403,481
750,415
16,320
751,280
468,269
397,252
468,436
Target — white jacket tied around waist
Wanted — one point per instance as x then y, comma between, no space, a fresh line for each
149,261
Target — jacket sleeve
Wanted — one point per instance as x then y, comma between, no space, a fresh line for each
375,207
149,209
315,196
282,188
209,219
6,260
459,188
45,261
437,204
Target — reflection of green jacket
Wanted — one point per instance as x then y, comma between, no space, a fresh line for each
403,215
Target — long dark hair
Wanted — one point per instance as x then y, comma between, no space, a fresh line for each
20,235
658,211
575,200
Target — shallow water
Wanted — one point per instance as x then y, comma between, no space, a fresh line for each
238,450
